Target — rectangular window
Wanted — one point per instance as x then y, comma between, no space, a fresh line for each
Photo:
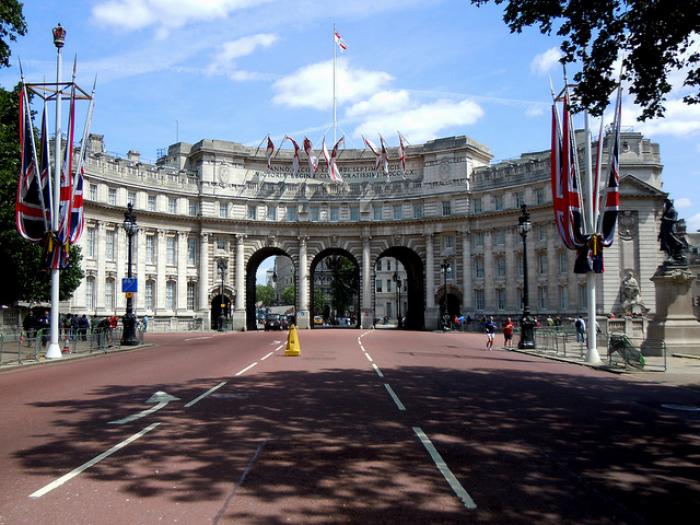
172,205
478,238
109,245
499,237
131,198
377,212
519,199
500,267
479,299
389,311
498,202
446,208
541,232
334,214
93,192
90,244
354,213
476,205
479,267
191,252
221,244
151,203
315,214
109,295
272,213
378,284
150,249
563,297
150,296
542,263
112,197
448,243
292,213
539,196
388,285
171,250
379,265
191,296
542,297
500,298
252,213
397,212
193,208
170,295
90,293
563,262
223,210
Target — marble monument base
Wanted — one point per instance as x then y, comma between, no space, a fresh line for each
674,322
238,320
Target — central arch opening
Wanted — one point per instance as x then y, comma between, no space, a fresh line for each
271,294
335,290
399,289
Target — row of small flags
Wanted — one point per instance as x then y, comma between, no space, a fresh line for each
566,183
381,155
34,205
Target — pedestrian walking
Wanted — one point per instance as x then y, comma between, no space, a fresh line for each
580,326
145,324
508,333
490,328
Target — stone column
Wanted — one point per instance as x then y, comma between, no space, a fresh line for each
239,317
303,310
513,299
100,253
181,272
139,255
489,272
160,273
367,313
432,312
121,254
467,305
203,283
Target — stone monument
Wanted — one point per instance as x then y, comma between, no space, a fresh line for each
674,321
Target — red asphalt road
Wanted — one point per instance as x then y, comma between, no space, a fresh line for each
319,438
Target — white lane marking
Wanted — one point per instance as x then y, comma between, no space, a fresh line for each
160,398
267,355
246,369
369,358
196,338
75,472
445,470
376,369
362,348
275,342
280,347
396,399
205,394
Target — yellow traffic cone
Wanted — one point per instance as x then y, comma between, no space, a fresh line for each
293,348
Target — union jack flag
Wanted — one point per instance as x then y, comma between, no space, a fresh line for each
611,205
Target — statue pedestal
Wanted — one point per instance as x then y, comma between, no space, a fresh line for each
674,321
238,320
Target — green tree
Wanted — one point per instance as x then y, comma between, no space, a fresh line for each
12,24
656,39
289,295
264,294
319,302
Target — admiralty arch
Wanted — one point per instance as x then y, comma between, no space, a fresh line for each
209,213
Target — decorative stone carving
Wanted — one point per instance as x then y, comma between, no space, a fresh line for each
627,225
632,303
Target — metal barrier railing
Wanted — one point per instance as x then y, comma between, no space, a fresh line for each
637,353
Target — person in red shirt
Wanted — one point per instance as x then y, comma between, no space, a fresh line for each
508,333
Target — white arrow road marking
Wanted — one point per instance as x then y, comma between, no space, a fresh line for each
160,397
75,472
445,470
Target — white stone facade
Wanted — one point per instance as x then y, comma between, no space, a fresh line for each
216,200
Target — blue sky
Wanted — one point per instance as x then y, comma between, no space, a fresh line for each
240,69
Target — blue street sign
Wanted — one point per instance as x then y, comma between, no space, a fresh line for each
129,284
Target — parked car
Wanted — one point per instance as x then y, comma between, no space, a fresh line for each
318,320
273,322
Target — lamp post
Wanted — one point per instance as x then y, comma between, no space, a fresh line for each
527,322
397,282
445,268
221,265
131,228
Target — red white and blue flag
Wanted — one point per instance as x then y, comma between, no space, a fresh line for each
269,151
333,170
384,157
402,151
611,200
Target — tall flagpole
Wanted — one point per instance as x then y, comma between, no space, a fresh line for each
54,351
335,123
592,356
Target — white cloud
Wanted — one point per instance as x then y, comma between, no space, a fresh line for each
311,86
384,101
225,60
681,119
131,15
683,202
420,122
543,62
693,222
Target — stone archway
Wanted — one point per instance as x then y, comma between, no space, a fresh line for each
415,294
329,312
250,281
454,300
217,310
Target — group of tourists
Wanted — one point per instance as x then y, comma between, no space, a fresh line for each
490,327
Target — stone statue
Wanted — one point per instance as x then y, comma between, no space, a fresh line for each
632,303
672,236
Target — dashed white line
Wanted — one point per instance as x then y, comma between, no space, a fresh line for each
376,369
396,399
267,355
77,471
445,470
369,357
205,394
196,338
246,369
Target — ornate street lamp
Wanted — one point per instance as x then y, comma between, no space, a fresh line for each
445,268
397,283
131,228
222,265
527,322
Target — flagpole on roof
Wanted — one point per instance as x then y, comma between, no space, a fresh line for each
335,123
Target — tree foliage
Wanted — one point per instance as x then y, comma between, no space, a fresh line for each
654,38
289,295
265,294
12,24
